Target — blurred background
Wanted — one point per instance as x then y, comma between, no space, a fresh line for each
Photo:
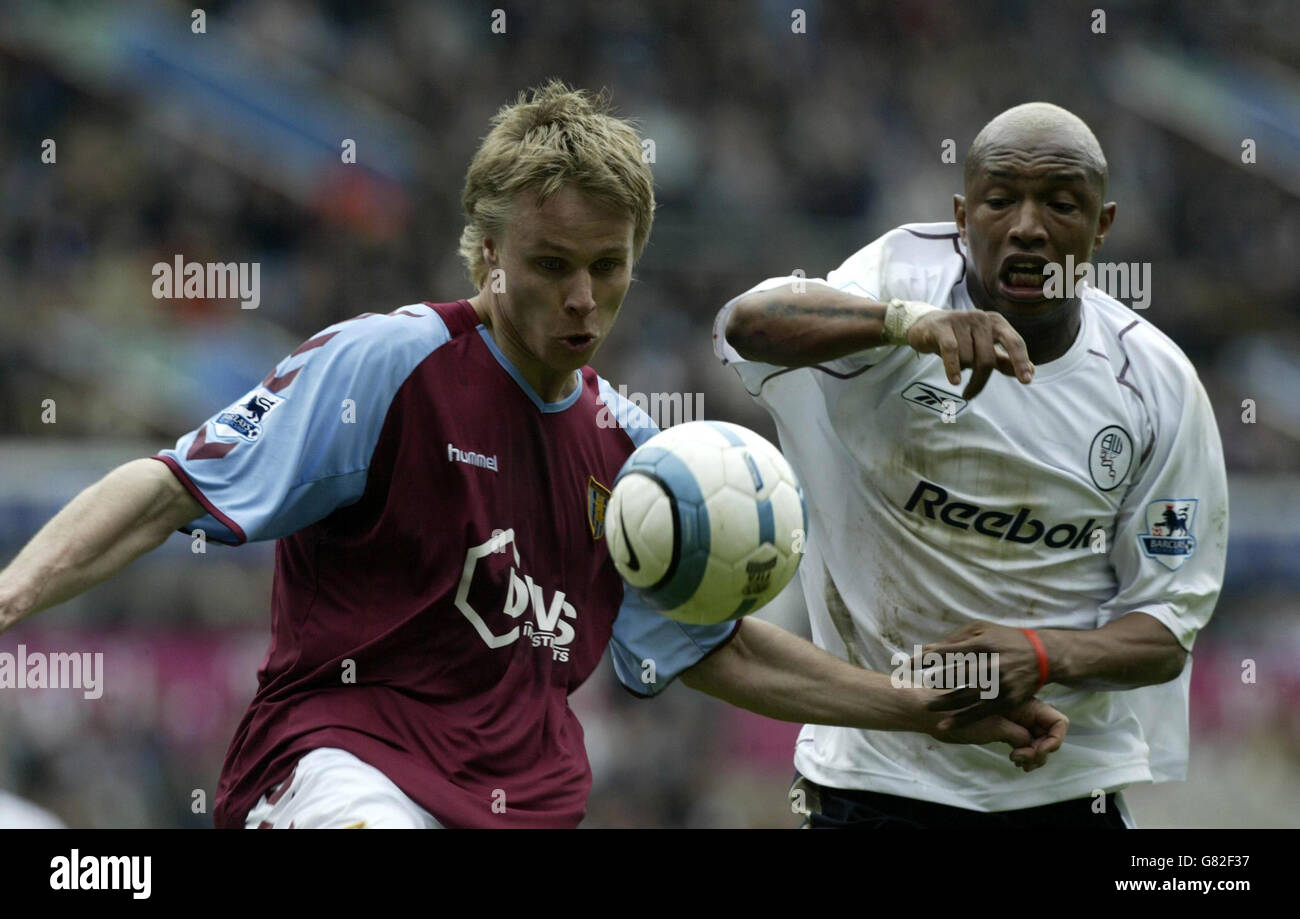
774,150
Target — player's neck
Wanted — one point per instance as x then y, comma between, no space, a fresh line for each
550,385
1047,335
1050,335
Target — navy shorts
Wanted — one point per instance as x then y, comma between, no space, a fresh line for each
839,808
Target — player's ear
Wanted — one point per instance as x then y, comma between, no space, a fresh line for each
959,214
1105,220
490,251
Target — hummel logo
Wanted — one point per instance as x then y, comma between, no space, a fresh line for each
632,563
473,459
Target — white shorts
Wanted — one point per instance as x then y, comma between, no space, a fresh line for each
332,789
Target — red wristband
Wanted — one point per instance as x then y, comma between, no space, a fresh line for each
1043,668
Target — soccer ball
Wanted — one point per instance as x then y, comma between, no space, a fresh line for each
706,521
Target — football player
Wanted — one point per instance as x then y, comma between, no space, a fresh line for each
1069,523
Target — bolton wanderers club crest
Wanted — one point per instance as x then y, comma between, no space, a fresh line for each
1169,538
597,501
1110,457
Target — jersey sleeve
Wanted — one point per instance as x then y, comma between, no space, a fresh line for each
648,650
298,445
1171,533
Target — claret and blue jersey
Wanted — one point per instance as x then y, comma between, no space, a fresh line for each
441,578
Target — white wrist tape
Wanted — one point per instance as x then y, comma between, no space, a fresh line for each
900,316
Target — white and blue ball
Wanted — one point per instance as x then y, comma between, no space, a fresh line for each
706,521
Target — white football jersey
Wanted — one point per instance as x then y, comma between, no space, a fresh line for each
927,511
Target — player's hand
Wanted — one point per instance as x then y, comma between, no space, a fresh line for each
976,339
1034,730
1017,672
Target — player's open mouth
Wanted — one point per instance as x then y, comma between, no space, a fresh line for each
579,342
1022,277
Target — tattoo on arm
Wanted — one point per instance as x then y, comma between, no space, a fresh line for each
784,309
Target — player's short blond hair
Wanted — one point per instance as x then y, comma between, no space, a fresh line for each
550,137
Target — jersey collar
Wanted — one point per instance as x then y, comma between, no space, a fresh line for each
1044,373
523,384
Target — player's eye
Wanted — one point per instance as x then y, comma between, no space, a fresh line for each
1063,207
997,203
550,264
607,265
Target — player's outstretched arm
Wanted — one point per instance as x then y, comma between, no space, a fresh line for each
125,514
767,670
793,326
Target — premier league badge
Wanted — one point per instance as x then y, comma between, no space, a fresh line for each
244,419
1168,538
